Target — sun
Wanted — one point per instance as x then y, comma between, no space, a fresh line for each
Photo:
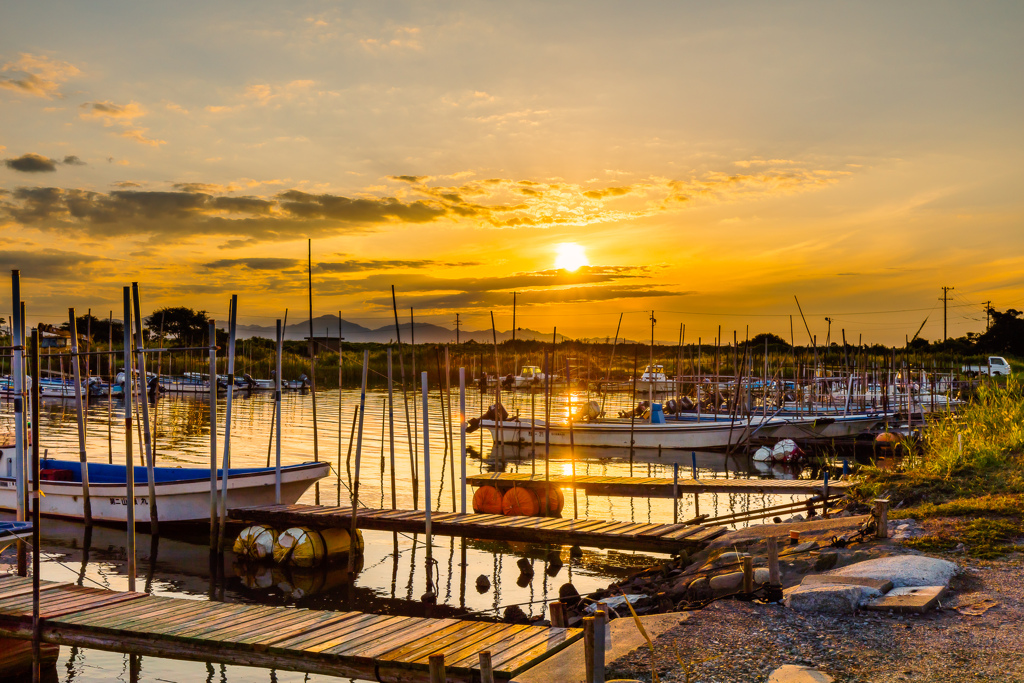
570,256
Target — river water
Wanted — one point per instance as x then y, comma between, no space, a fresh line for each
394,573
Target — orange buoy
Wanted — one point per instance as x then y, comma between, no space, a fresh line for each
487,500
520,502
556,501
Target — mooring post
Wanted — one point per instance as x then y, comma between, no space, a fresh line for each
213,435
774,576
462,434
437,672
426,482
588,647
600,626
748,574
881,518
129,469
824,495
557,614
486,670
675,492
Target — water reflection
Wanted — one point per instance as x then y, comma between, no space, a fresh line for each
393,572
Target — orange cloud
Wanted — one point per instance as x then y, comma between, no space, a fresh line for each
40,75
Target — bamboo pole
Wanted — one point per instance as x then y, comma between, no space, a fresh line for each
279,351
37,623
110,389
359,455
451,420
154,517
312,365
405,400
226,461
20,396
572,447
426,484
462,434
82,458
391,433
129,468
547,432
213,435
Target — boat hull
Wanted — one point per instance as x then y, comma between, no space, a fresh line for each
671,436
184,501
838,427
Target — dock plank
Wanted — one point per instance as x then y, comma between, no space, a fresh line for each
659,487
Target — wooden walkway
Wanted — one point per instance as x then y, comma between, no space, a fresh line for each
348,644
660,487
664,538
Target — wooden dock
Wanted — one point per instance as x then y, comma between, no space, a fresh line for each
664,538
660,487
393,649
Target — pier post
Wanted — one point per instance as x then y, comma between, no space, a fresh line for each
437,672
881,518
600,635
558,614
748,575
588,647
486,670
675,492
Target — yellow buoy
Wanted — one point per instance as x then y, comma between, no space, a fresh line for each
303,547
256,542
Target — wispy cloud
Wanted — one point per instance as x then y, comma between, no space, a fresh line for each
401,38
111,114
38,75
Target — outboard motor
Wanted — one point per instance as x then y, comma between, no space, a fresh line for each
304,380
250,383
639,411
474,423
508,382
589,412
153,386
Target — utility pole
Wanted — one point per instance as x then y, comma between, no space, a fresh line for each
988,314
513,319
945,300
456,329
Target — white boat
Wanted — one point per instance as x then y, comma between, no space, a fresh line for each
673,435
531,376
12,531
183,494
189,384
654,377
820,426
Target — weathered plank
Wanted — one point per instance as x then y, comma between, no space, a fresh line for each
659,487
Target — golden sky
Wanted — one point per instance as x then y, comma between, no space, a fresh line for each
707,161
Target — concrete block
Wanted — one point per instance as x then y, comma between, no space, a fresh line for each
903,570
881,585
828,598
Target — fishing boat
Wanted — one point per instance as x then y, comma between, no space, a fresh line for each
654,378
189,383
708,432
183,493
821,426
530,376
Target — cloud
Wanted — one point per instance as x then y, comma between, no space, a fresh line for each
255,263
490,300
358,265
402,38
40,75
72,160
111,113
139,135
367,211
31,163
47,263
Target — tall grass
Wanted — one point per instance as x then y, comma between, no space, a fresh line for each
986,434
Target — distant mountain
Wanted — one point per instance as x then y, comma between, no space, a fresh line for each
426,333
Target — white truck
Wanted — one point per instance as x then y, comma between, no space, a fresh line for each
997,365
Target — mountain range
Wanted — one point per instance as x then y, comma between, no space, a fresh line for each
426,333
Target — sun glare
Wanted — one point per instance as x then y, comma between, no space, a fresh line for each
570,256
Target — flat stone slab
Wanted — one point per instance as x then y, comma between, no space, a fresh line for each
793,673
908,599
881,585
902,570
828,598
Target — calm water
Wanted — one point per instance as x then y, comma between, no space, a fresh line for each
393,574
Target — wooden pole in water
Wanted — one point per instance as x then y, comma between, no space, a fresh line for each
340,421
426,482
415,426
129,468
572,445
110,389
154,517
451,420
405,400
359,455
76,370
213,435
226,462
547,432
632,414
462,434
312,365
279,351
391,431
20,396
36,621
497,393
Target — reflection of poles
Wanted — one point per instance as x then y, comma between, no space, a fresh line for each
213,437
129,468
426,483
226,462
359,454
154,518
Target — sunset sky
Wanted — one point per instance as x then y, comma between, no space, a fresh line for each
708,161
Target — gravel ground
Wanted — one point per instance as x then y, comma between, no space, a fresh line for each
734,641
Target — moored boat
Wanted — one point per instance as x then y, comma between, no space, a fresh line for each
183,493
